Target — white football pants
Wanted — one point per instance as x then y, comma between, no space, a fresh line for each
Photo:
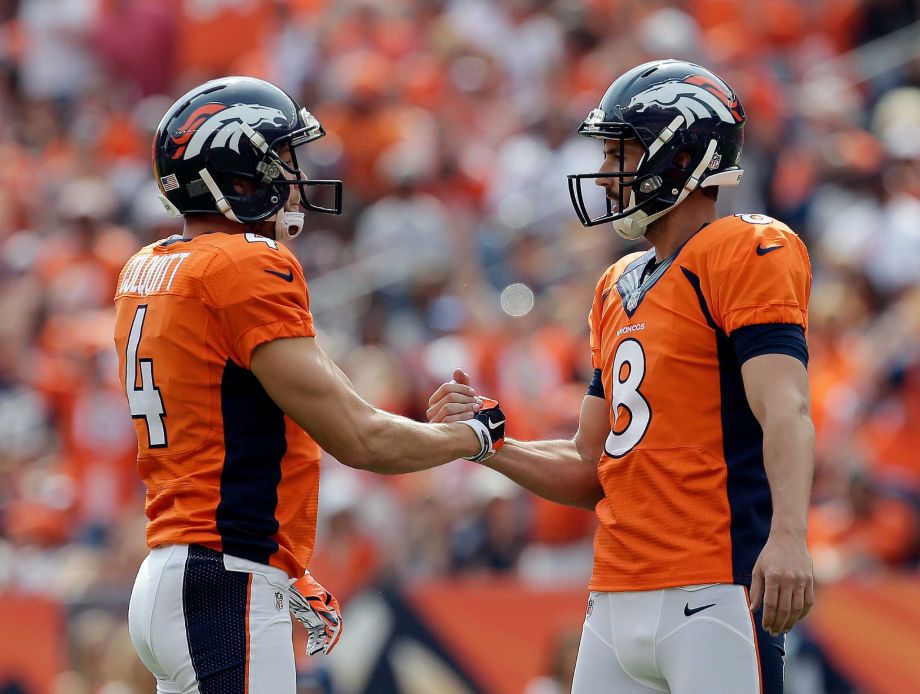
208,623
691,640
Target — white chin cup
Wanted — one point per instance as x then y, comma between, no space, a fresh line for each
633,226
288,225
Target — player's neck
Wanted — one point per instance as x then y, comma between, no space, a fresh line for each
675,229
209,224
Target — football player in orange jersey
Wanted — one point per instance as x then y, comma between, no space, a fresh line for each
695,443
232,399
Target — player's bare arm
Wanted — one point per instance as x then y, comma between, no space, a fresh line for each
564,471
777,391
304,382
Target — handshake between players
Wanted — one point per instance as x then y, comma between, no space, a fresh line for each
311,603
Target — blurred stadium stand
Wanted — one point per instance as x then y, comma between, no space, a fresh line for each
452,123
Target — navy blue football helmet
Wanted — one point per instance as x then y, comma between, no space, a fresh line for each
235,128
669,107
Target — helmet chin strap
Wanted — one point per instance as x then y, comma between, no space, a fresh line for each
634,226
218,195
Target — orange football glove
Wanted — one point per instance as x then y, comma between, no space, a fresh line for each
319,612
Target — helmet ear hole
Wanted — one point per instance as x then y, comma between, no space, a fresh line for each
682,160
242,186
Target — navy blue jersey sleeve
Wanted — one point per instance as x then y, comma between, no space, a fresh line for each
596,387
770,338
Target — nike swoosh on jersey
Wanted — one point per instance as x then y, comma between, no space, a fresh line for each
289,277
688,611
763,251
495,425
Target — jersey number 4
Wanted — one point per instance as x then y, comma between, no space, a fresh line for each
145,400
627,402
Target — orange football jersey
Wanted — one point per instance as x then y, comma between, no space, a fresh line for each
224,467
686,494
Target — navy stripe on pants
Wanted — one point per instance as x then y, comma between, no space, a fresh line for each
215,602
771,650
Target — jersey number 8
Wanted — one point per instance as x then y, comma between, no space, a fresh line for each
627,401
145,401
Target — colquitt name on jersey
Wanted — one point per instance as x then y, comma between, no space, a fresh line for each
630,329
151,273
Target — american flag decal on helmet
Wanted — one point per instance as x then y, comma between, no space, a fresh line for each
169,182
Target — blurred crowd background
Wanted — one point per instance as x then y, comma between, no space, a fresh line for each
452,124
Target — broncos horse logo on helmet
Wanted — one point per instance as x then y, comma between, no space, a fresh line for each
179,139
692,101
670,108
236,128
222,120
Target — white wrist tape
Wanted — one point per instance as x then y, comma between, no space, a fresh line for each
486,450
